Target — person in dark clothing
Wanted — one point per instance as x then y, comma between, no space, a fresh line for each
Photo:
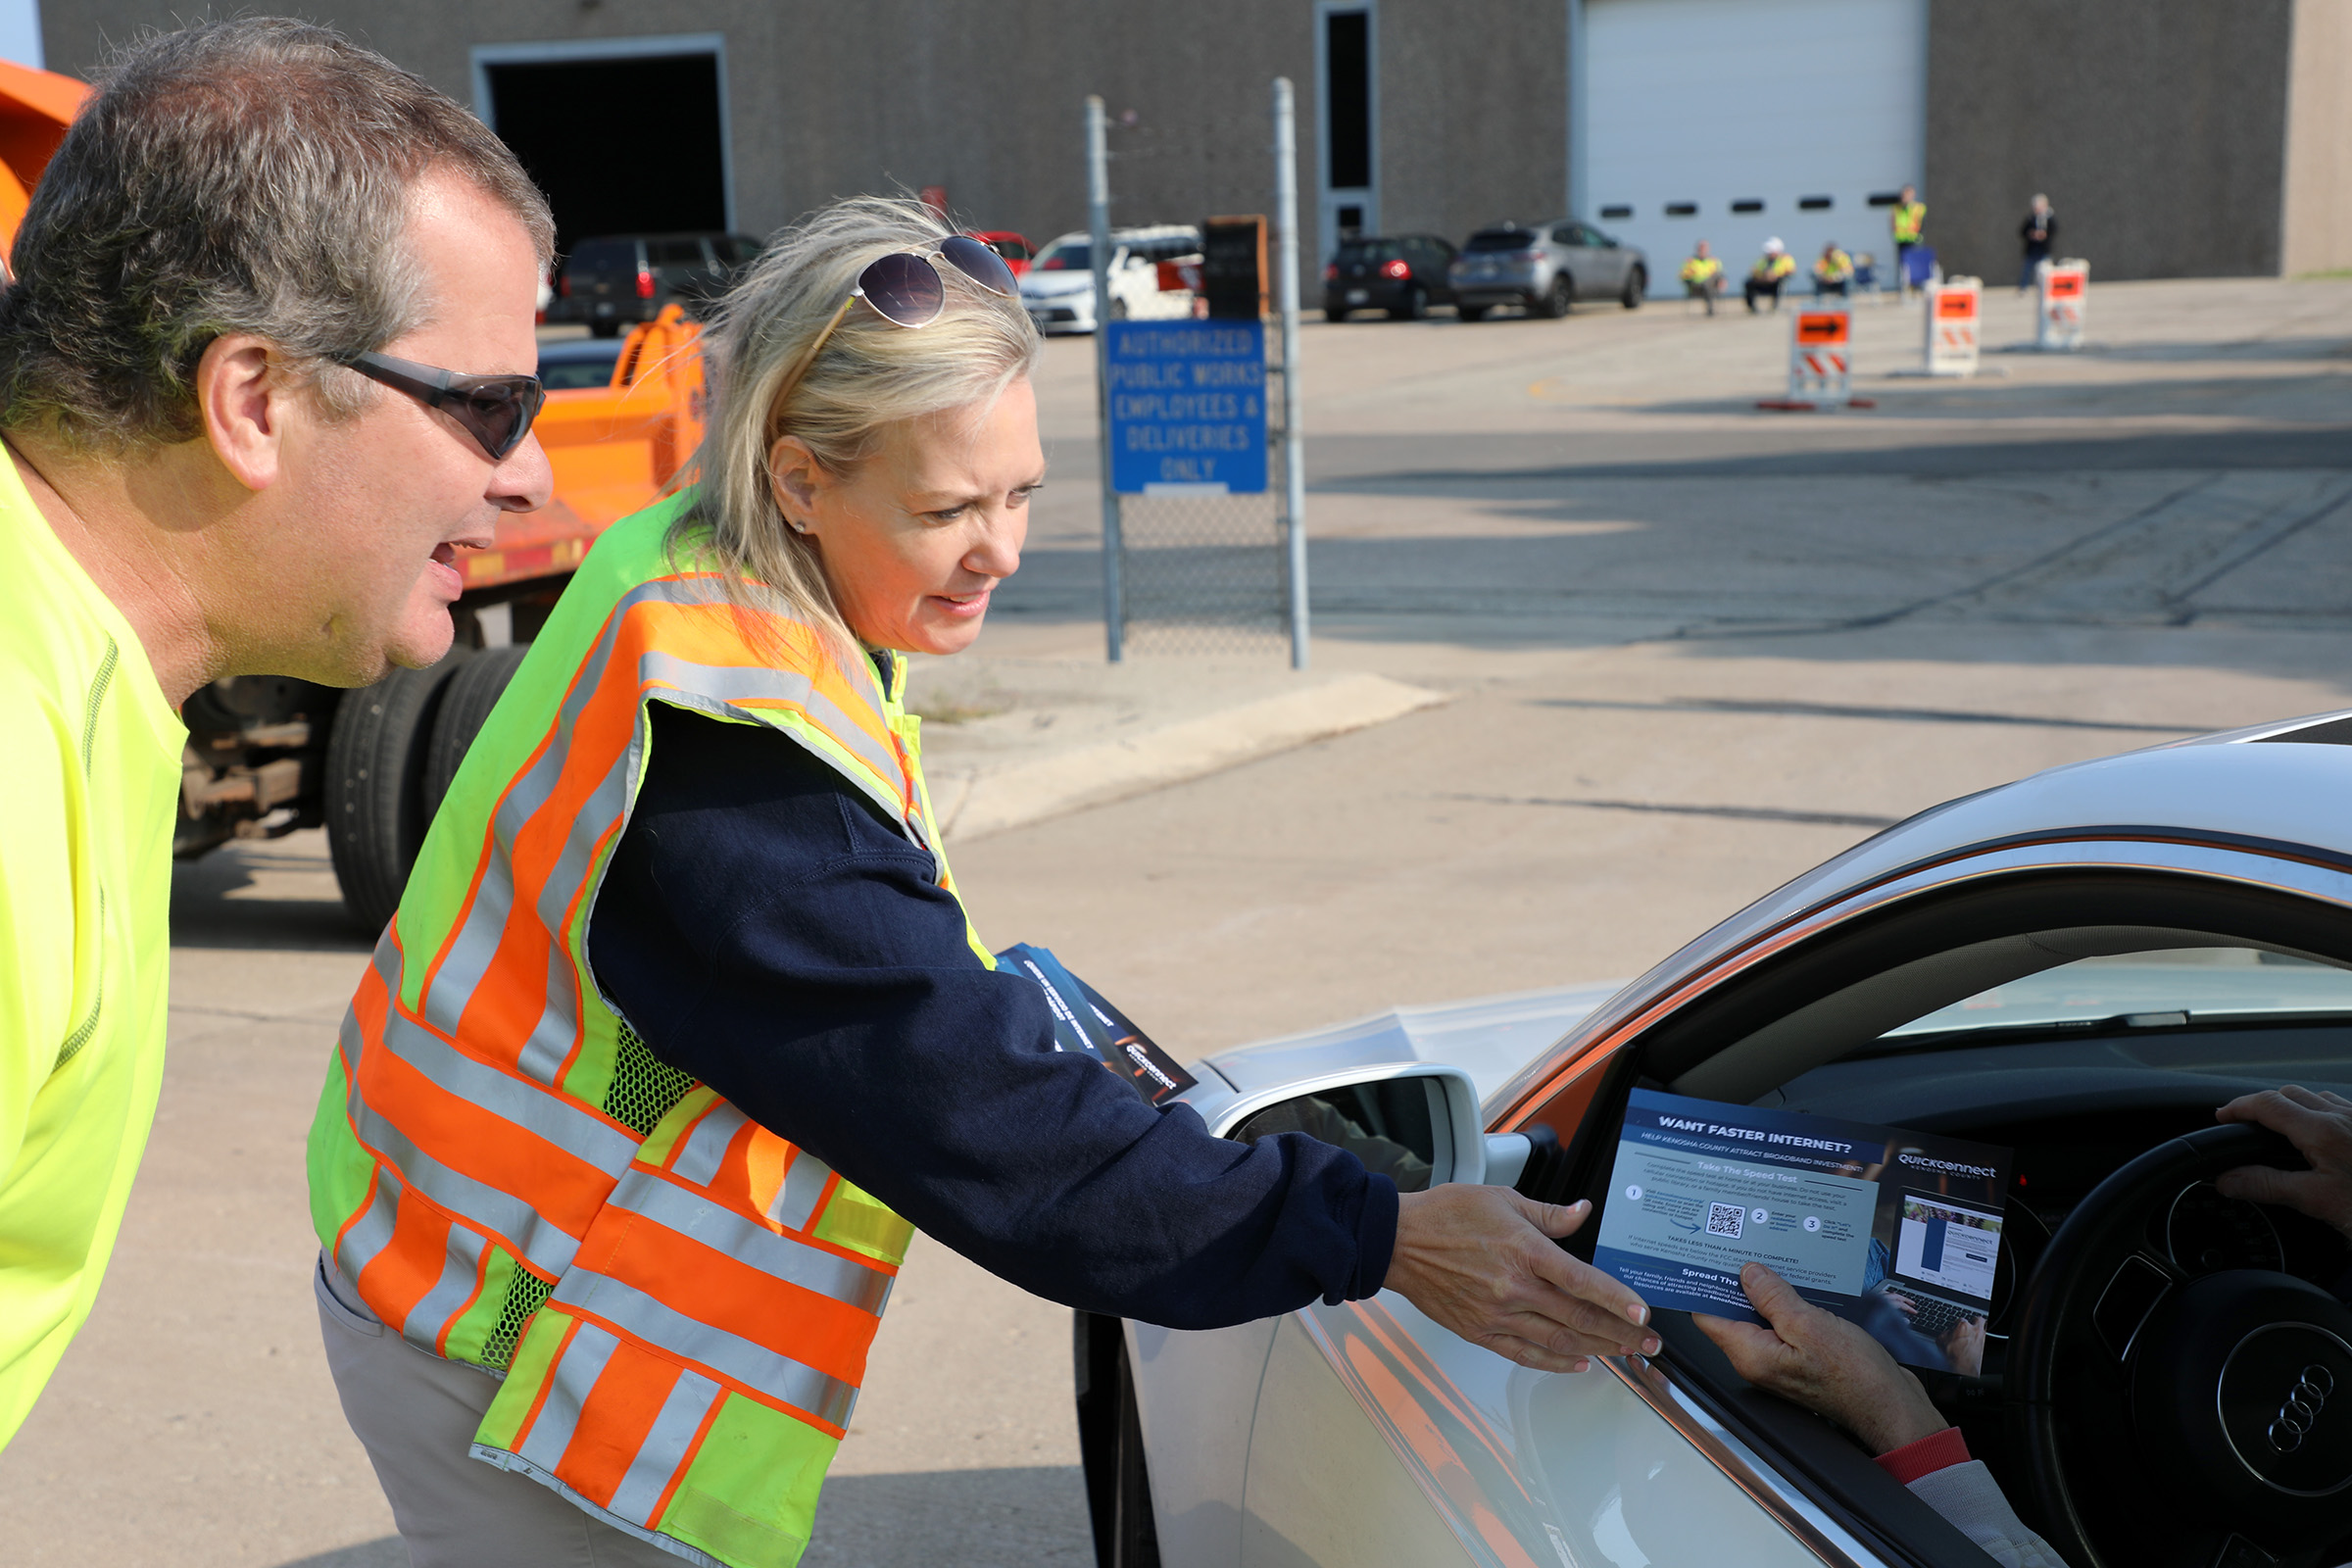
714,1029
2039,231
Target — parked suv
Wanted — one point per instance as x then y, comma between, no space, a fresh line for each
617,281
1403,276
1547,269
1058,288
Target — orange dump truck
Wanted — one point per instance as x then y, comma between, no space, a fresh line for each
267,754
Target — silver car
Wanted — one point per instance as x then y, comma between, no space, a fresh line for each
1547,269
2079,966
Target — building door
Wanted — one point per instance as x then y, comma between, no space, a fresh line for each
1738,120
1349,148
626,136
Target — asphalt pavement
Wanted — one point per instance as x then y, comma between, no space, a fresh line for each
1685,649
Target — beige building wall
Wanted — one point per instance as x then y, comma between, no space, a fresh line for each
826,100
1473,113
2318,194
2157,127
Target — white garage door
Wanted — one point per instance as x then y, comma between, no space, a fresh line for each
1734,120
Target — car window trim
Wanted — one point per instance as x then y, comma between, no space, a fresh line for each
1659,1385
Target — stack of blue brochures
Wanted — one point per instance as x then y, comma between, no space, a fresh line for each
1086,1023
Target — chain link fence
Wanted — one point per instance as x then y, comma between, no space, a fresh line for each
1208,575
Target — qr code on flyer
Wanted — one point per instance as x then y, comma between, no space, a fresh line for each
1723,1219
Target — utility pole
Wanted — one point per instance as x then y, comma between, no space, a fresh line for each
1286,285
1098,223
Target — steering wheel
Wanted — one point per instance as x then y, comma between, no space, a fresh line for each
2181,1421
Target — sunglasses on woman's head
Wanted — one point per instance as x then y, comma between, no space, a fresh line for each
907,288
497,411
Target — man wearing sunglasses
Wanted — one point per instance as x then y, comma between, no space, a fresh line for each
264,372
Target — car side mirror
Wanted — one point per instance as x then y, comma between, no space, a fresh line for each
1415,1122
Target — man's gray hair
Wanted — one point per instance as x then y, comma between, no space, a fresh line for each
233,177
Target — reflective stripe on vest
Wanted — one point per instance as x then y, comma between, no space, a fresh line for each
659,1279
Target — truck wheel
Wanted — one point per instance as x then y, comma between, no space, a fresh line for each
465,707
376,810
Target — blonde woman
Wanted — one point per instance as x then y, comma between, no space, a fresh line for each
680,1028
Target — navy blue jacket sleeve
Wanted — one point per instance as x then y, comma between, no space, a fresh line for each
763,927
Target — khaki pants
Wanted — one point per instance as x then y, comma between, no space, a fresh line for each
416,1414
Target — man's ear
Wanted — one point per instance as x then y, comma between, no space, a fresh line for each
244,397
797,480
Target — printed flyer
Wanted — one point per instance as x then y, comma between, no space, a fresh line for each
1898,1231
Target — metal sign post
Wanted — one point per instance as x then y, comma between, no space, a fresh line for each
1954,308
1098,219
2065,290
1286,293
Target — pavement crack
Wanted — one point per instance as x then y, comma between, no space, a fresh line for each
1906,715
1737,814
2276,537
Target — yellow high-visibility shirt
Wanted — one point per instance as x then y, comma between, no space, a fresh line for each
88,802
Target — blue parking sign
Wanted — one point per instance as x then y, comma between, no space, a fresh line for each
1188,407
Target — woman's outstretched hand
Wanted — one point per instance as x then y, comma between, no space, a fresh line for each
1482,1262
1823,1362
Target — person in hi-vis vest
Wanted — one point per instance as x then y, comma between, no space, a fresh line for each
1907,221
680,1030
202,479
1702,275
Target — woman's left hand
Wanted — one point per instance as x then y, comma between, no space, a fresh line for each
1823,1362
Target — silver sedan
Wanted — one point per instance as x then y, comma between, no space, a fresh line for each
2081,966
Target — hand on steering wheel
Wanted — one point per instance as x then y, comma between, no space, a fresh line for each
2319,1126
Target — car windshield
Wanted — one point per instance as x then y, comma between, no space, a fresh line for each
567,365
2164,989
605,256
1066,256
1503,239
1369,252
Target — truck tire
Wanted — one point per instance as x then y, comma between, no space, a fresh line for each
375,812
465,707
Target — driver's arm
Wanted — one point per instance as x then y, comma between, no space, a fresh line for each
1835,1369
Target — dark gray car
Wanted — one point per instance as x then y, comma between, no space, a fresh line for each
1547,269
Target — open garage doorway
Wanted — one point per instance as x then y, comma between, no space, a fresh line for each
625,135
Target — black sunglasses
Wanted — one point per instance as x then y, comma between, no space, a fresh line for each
497,411
907,288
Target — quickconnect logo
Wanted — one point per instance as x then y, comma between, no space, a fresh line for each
2300,1411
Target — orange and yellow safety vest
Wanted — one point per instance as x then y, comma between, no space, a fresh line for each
680,1301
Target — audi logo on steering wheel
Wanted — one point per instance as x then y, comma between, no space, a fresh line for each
2300,1411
